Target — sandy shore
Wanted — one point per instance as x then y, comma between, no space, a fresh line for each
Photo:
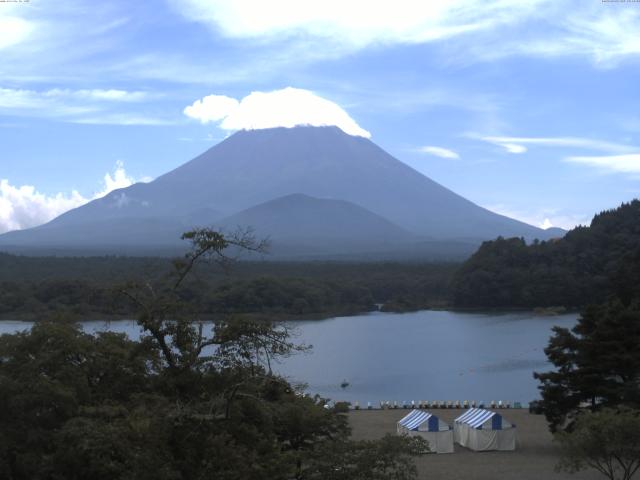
534,459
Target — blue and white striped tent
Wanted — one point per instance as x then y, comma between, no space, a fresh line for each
437,433
480,430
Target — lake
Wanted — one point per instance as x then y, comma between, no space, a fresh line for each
425,355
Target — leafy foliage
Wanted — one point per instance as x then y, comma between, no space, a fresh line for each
608,441
369,460
180,403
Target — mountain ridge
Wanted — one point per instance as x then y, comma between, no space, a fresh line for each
252,167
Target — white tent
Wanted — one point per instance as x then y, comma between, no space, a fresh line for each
481,430
426,425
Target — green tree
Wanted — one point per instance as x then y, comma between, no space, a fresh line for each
597,363
389,458
54,374
181,403
607,441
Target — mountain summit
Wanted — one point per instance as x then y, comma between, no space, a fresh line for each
250,168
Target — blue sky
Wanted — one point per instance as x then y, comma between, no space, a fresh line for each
530,108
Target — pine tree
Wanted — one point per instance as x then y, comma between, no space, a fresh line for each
598,363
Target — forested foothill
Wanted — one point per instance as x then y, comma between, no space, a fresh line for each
33,288
586,266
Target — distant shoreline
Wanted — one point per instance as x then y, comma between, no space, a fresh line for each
291,317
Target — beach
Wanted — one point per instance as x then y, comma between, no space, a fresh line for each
534,458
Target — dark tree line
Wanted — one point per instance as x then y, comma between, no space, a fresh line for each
45,287
586,266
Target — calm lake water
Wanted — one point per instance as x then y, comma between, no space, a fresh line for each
426,355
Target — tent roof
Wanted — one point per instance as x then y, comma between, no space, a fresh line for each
476,417
415,418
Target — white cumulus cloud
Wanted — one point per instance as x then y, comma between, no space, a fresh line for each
288,107
25,207
119,179
439,152
546,223
212,108
544,217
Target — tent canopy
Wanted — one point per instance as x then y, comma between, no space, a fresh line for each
482,430
419,420
480,418
437,433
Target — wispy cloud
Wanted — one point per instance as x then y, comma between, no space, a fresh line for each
439,152
65,42
23,98
519,144
612,163
480,29
111,95
623,158
606,34
123,119
33,103
78,106
86,42
354,24
25,207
